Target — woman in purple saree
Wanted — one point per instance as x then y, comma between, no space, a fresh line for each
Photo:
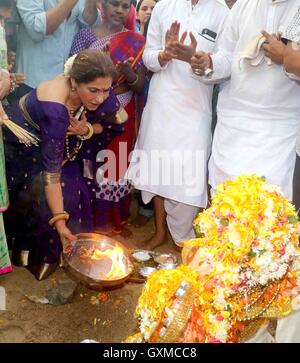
126,49
43,217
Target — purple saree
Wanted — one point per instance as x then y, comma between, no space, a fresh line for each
35,243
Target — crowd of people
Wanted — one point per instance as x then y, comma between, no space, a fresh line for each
77,109
121,96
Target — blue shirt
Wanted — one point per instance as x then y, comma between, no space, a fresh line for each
42,56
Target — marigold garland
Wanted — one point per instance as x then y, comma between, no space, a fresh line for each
244,266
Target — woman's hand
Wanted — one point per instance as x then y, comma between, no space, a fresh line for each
125,69
65,235
77,127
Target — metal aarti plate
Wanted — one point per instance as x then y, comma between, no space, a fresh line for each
90,261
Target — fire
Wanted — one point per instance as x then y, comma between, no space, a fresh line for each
118,267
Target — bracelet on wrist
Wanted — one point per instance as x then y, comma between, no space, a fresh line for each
51,178
59,216
89,133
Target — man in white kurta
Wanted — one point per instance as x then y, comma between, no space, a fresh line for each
258,114
175,136
258,109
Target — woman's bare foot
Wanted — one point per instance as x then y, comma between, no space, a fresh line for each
152,243
139,221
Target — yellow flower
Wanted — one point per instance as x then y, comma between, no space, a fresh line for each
249,227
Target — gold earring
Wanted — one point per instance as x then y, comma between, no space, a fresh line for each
73,89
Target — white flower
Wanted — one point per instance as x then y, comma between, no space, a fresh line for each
263,279
271,188
222,330
68,65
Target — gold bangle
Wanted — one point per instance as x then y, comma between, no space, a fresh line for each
51,178
58,217
90,132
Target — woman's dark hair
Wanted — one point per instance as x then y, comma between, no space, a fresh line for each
7,4
91,64
140,4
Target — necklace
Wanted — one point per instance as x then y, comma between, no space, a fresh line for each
77,112
71,156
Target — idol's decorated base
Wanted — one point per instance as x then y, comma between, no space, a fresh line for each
242,270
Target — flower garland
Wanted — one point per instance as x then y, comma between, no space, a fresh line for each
244,267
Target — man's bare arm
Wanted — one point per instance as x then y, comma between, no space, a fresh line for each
58,14
90,12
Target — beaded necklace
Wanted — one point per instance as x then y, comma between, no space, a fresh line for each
71,156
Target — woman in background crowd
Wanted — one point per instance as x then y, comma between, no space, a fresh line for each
130,22
143,11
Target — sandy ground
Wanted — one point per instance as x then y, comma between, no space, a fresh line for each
104,321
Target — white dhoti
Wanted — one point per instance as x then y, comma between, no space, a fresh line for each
180,218
173,147
263,147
